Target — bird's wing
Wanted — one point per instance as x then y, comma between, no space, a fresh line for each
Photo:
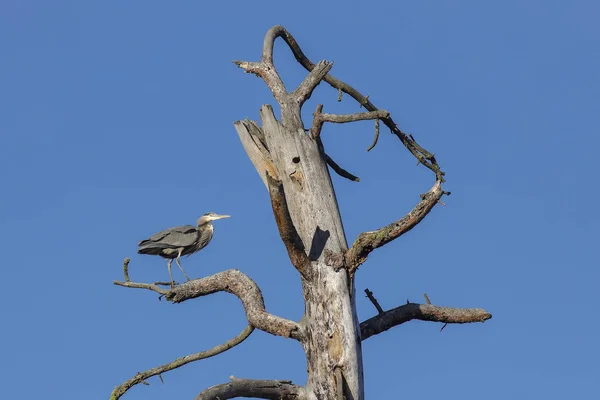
180,236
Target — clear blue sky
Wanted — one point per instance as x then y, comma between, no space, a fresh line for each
116,120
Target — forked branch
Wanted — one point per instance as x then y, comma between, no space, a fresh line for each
424,312
179,362
235,282
260,389
424,157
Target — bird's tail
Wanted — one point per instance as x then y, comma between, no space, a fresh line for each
149,250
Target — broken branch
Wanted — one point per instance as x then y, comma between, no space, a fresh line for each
268,73
424,312
306,88
126,269
374,301
261,389
141,377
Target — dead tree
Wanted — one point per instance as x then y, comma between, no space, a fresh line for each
294,167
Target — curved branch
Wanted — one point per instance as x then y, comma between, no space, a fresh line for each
235,282
261,389
179,362
366,242
424,312
287,231
339,170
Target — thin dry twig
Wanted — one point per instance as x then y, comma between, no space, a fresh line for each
426,298
374,301
376,138
339,170
138,285
141,377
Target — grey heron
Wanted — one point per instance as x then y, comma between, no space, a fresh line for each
180,241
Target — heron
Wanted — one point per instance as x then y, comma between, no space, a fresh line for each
180,241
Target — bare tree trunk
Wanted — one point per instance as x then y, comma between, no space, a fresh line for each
332,342
293,165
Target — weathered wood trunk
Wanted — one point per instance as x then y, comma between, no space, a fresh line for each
332,341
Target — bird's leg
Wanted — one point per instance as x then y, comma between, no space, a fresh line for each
170,274
180,267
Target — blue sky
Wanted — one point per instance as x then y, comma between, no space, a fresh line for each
117,121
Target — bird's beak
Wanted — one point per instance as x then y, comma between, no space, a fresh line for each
220,217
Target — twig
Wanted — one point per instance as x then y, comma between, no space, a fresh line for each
426,298
126,269
147,286
424,312
376,138
339,170
374,301
141,377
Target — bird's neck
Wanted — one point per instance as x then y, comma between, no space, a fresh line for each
206,225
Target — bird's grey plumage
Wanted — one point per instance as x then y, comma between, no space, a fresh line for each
180,241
